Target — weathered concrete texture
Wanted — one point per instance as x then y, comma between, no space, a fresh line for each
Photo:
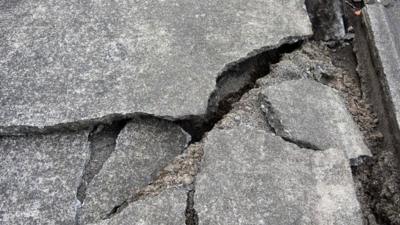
327,19
168,208
39,178
312,115
384,33
249,176
143,147
67,61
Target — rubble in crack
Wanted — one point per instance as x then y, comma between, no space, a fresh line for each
143,147
39,177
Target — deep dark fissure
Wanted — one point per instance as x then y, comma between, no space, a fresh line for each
232,84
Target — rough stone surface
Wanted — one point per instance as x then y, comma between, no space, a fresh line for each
143,147
68,61
382,22
39,178
312,115
249,176
168,208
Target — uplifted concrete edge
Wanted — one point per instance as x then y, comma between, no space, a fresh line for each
386,54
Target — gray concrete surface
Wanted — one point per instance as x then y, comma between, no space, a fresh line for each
68,61
40,177
382,22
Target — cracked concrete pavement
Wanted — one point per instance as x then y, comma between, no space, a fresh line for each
94,93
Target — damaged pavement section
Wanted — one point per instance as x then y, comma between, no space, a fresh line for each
68,62
249,175
144,146
72,65
89,61
41,174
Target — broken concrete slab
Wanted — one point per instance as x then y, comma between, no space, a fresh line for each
40,177
382,22
250,176
312,115
144,146
74,61
166,208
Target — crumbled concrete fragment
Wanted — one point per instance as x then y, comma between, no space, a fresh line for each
168,208
249,176
39,178
71,61
314,115
143,147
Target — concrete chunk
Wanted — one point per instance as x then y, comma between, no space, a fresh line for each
313,115
249,176
68,61
143,147
39,178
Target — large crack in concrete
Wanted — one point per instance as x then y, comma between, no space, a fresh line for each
377,194
232,84
237,78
